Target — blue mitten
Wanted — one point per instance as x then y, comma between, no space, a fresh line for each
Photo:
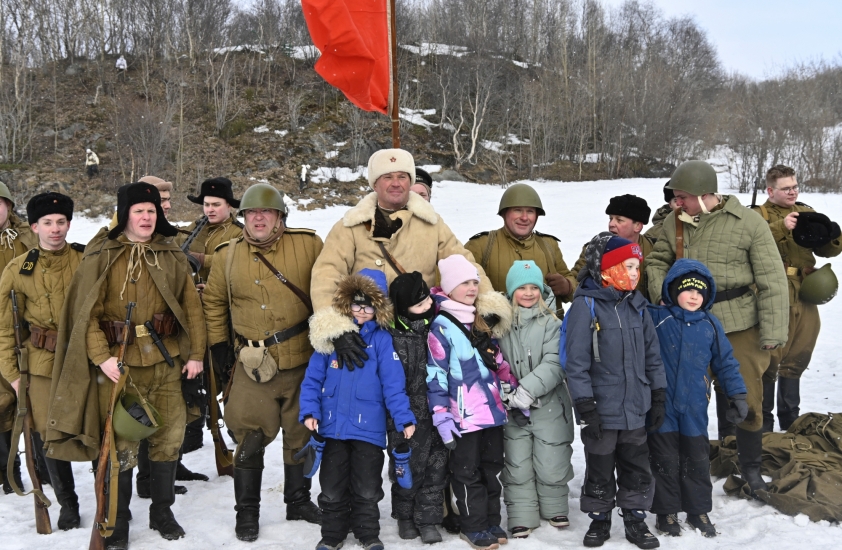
402,472
312,455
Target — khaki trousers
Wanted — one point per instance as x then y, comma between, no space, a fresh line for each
791,360
753,364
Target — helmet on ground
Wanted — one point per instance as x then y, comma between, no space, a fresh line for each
521,195
263,195
131,420
696,177
820,286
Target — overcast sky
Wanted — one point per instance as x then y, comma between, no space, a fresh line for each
757,37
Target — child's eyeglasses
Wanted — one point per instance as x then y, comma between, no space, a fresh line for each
356,308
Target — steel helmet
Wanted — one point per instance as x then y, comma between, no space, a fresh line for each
263,195
820,286
127,426
520,194
5,194
696,177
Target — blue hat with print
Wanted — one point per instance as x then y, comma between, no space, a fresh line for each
523,272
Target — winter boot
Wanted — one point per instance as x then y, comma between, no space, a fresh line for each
5,449
326,544
43,471
297,495
407,529
722,405
599,531
668,525
500,533
703,524
768,406
372,544
521,532
480,539
429,534
247,495
750,454
143,473
182,473
162,488
119,539
61,473
637,532
789,399
560,521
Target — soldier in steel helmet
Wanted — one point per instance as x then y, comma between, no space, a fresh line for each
498,249
739,250
136,262
270,336
800,234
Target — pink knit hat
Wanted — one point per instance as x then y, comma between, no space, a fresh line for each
455,270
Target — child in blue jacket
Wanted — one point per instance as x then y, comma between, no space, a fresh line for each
348,409
691,338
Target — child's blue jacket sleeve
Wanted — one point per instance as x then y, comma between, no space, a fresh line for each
311,387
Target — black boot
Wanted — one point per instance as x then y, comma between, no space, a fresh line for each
637,532
789,399
43,470
599,531
247,495
750,454
183,474
297,495
722,405
768,406
5,449
64,485
142,480
407,529
119,540
162,486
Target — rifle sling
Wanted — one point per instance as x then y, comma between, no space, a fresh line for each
280,276
106,528
679,235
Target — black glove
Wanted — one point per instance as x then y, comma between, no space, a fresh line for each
589,418
350,350
491,319
486,347
222,356
658,411
738,410
193,391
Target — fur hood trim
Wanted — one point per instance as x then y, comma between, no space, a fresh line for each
497,304
364,210
353,284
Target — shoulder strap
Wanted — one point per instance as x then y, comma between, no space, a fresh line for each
546,250
763,212
280,276
229,265
486,255
594,329
386,254
679,235
29,263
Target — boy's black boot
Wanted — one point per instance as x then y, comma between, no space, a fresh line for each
600,529
162,489
768,406
725,427
750,454
429,534
407,529
668,525
297,495
789,399
61,474
637,532
247,496
702,523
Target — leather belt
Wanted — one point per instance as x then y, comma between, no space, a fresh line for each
731,294
165,325
277,338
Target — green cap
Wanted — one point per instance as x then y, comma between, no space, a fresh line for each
126,426
521,195
263,195
820,286
696,177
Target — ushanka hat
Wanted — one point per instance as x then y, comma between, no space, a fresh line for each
629,206
669,194
216,187
45,204
814,230
135,193
386,161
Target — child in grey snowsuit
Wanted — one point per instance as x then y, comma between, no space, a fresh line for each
537,464
419,508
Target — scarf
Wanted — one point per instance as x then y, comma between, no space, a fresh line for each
465,313
276,235
618,277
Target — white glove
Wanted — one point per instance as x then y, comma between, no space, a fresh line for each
520,399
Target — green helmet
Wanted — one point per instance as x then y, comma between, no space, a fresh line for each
820,286
520,194
696,177
127,426
263,195
5,194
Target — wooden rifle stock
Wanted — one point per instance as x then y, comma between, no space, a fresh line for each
104,519
223,455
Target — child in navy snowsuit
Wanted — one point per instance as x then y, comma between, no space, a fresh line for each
348,408
691,338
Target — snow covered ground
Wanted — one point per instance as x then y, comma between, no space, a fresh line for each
575,213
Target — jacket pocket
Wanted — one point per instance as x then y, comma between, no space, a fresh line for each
329,402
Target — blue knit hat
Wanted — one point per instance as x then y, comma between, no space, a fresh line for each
523,273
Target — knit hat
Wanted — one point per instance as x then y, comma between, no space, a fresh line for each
216,187
135,193
669,194
629,206
385,161
617,251
814,230
690,281
45,204
407,290
455,270
523,272
162,185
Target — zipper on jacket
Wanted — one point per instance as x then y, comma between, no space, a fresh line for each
459,402
529,356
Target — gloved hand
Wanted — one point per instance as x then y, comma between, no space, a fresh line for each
312,454
350,350
521,399
658,411
222,356
486,347
558,283
589,418
193,391
403,473
738,410
505,394
443,421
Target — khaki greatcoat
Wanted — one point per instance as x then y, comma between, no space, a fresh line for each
209,238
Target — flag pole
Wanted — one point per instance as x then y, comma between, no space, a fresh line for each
396,131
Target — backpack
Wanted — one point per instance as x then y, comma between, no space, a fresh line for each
562,340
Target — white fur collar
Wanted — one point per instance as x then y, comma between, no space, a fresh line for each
364,210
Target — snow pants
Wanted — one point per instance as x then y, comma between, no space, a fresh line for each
681,468
428,463
627,451
537,465
474,466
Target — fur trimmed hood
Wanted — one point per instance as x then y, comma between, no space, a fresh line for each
372,284
364,210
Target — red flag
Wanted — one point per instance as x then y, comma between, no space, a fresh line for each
353,38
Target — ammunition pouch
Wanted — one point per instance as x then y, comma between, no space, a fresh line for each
165,324
43,338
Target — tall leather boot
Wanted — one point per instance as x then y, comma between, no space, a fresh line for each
119,540
750,453
61,473
162,486
43,470
142,481
5,449
247,495
297,495
183,474
722,405
789,399
768,406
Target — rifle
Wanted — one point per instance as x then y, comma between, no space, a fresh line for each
185,246
757,182
223,455
104,519
23,423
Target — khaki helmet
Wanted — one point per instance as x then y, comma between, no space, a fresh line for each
520,194
127,426
696,177
5,194
820,286
263,195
